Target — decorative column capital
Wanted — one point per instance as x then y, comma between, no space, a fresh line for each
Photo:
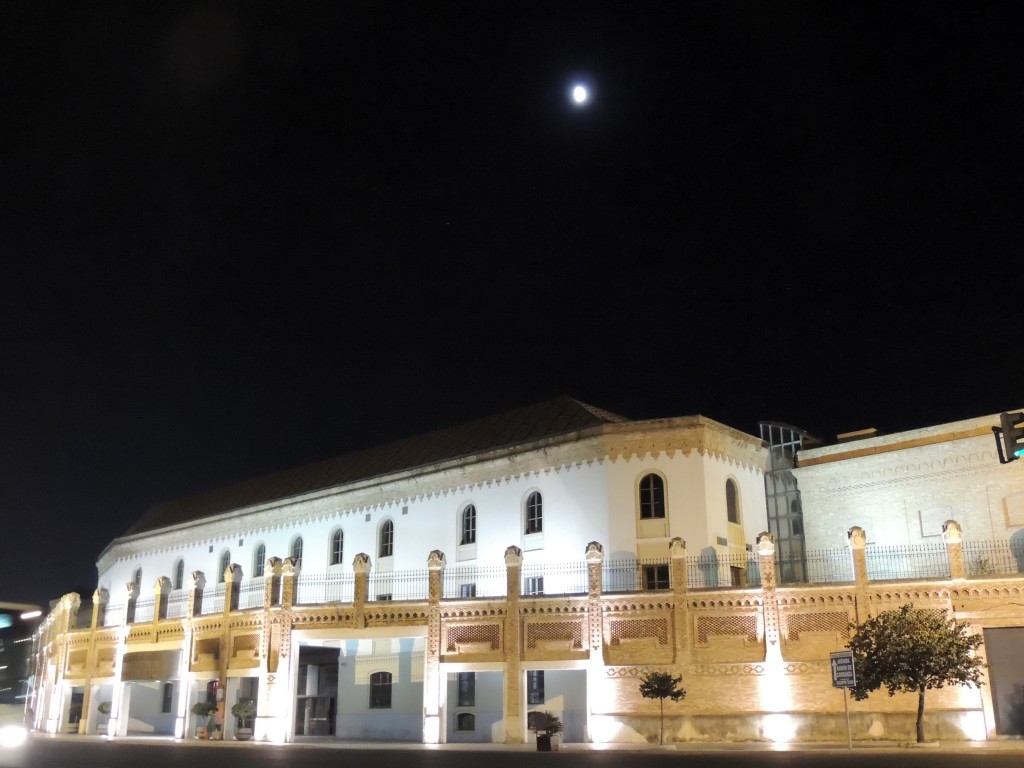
290,566
952,533
361,563
161,586
436,560
198,580
513,557
765,544
131,590
594,552
101,596
856,538
677,548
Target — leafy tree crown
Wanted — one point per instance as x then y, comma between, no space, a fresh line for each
911,650
661,685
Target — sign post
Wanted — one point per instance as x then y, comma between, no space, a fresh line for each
844,676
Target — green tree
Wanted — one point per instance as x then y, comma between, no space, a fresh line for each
661,686
912,650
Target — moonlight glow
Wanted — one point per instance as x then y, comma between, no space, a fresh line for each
580,94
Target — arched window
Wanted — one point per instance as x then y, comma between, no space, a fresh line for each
259,561
468,525
387,541
732,501
137,578
179,574
337,547
652,497
534,513
297,551
380,690
225,561
465,721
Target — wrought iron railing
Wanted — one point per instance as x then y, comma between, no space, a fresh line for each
213,599
467,582
317,588
177,604
712,570
399,585
632,574
823,566
252,593
994,558
915,561
144,610
554,578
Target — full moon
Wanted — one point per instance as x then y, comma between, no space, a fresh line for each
579,94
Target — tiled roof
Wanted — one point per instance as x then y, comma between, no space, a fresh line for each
517,427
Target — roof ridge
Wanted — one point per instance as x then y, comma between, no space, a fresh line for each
518,426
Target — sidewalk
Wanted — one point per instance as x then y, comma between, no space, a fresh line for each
1000,745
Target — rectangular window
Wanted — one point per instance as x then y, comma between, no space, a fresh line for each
467,590
168,701
534,687
384,597
380,690
656,577
467,689
736,575
534,585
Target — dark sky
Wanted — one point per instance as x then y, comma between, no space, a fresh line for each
238,237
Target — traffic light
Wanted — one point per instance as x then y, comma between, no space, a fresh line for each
1012,432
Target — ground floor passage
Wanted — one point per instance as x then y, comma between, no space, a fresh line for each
373,690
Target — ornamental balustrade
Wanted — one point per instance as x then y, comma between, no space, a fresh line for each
861,562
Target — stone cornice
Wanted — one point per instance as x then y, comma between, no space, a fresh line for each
873,471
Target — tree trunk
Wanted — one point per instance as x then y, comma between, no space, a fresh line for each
661,732
920,715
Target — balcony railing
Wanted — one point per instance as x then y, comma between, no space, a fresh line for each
319,588
704,571
993,558
554,578
177,604
716,571
918,561
466,582
823,566
399,585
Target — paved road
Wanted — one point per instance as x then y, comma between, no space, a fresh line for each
95,753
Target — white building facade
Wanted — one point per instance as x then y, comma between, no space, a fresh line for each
454,587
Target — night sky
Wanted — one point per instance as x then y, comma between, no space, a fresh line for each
239,237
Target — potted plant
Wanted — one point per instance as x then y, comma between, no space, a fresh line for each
203,710
244,711
548,729
104,710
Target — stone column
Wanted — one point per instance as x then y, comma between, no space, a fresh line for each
680,616
232,586
361,565
131,596
100,598
513,709
595,629
289,570
161,592
953,536
769,598
432,683
195,593
857,540
272,571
